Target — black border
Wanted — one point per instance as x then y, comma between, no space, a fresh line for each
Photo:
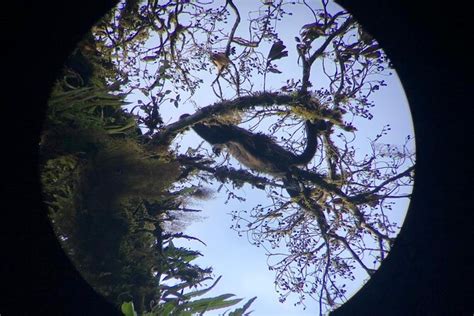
428,272
40,280
430,269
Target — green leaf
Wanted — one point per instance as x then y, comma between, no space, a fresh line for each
176,289
181,235
167,309
211,303
203,291
240,311
128,309
115,129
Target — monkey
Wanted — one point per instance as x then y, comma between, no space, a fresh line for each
260,153
257,151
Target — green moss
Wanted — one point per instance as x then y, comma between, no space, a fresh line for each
96,174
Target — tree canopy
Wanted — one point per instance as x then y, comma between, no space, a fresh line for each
266,67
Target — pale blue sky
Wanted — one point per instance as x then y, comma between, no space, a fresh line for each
243,266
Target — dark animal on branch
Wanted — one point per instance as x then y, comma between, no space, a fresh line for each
257,151
260,153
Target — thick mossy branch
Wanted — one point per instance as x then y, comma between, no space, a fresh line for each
221,108
304,105
225,174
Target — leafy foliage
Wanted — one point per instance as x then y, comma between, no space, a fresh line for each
93,181
109,197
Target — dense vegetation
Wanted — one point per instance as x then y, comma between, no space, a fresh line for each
109,197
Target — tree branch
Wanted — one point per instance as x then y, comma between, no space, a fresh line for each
265,99
224,174
307,63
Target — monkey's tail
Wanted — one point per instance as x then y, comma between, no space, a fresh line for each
312,133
